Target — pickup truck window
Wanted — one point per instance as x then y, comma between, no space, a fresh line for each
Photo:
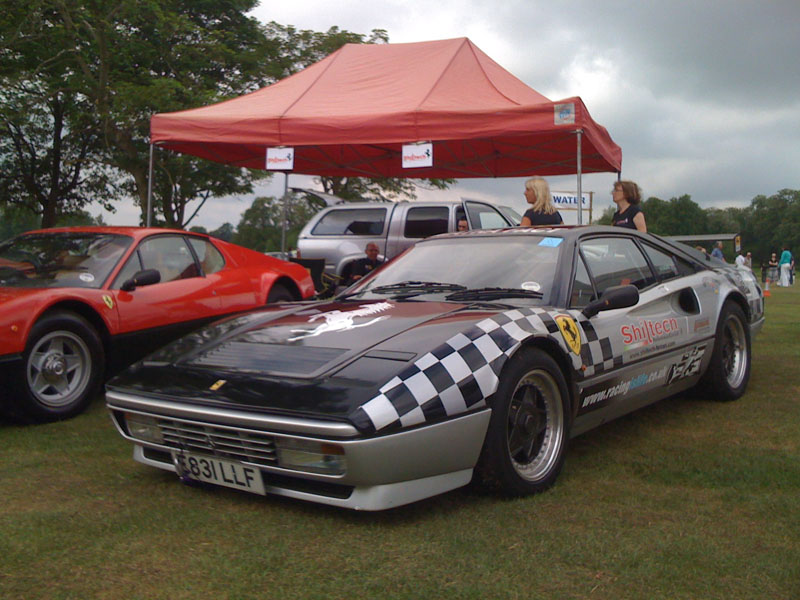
361,221
425,221
485,217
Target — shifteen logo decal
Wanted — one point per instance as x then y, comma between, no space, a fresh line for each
647,331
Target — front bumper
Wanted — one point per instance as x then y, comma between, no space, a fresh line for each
382,471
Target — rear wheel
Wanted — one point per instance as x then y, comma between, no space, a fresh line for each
63,365
279,293
729,370
527,438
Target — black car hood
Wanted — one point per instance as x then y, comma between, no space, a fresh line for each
321,360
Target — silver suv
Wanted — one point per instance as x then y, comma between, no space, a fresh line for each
340,233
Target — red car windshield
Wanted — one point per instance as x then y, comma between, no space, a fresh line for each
69,259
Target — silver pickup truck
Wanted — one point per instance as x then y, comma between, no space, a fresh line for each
340,233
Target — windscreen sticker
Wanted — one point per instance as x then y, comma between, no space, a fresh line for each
86,277
551,242
531,286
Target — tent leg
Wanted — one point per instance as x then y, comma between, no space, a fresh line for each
283,219
580,188
150,189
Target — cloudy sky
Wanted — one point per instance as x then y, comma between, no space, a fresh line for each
703,96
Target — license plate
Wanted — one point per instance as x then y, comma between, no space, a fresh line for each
220,472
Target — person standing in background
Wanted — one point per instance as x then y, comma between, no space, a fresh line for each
542,210
627,197
717,252
786,267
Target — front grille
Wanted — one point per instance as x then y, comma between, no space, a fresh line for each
224,442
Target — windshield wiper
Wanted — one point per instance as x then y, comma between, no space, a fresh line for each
490,293
406,289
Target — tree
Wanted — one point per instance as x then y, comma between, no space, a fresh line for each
50,152
260,225
136,58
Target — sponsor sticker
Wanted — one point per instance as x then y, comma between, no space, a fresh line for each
280,159
417,155
570,332
564,114
646,331
687,365
622,388
551,242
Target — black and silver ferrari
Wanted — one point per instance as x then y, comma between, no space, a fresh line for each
472,355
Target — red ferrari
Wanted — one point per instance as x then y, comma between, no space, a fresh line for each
78,302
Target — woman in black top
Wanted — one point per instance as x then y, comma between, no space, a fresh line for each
542,211
626,196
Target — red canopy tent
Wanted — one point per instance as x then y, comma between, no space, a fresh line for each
351,113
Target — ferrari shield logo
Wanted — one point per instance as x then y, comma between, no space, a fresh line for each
109,301
570,332
217,384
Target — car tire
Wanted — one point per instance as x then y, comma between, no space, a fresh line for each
279,293
526,441
63,366
729,370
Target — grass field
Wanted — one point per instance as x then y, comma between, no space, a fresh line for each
689,498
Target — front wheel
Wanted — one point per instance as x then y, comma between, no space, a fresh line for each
63,365
729,370
527,437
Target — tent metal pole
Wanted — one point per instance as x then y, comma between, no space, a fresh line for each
150,189
580,189
283,218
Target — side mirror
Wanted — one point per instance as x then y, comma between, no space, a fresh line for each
146,277
617,296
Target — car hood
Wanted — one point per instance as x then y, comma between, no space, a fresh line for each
315,359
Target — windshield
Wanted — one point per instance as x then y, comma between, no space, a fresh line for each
60,259
520,265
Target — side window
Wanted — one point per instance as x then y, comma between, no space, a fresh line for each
582,290
616,261
685,267
210,258
133,266
483,216
663,263
425,221
358,221
170,255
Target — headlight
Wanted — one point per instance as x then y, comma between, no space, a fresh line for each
311,456
144,428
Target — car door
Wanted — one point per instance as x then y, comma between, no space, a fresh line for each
183,295
482,215
634,355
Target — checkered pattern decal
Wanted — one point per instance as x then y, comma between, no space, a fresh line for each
461,373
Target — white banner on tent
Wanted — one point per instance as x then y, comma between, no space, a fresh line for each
417,155
564,114
280,159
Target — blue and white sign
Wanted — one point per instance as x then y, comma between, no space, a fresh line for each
564,114
417,155
280,159
570,200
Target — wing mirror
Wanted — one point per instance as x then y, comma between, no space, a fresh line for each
617,296
146,277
